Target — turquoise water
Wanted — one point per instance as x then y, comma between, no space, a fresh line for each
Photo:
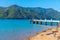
19,29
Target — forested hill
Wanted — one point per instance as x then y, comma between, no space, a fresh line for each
18,12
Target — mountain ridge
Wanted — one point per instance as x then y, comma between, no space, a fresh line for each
18,12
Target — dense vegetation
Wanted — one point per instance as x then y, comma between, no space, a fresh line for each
18,12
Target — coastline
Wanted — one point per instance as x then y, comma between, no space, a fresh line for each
49,34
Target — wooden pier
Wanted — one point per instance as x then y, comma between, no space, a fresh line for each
36,21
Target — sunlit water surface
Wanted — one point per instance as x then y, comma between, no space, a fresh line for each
19,29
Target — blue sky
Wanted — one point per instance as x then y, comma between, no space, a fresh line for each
55,4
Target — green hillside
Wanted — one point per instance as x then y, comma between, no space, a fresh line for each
18,12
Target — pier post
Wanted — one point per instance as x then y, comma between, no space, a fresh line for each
33,22
40,22
51,23
45,22
37,22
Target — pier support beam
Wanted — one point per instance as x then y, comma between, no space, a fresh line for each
40,22
45,23
33,22
37,22
51,23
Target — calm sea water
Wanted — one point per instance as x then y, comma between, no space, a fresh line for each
19,29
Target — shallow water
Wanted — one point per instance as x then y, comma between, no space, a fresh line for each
19,29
